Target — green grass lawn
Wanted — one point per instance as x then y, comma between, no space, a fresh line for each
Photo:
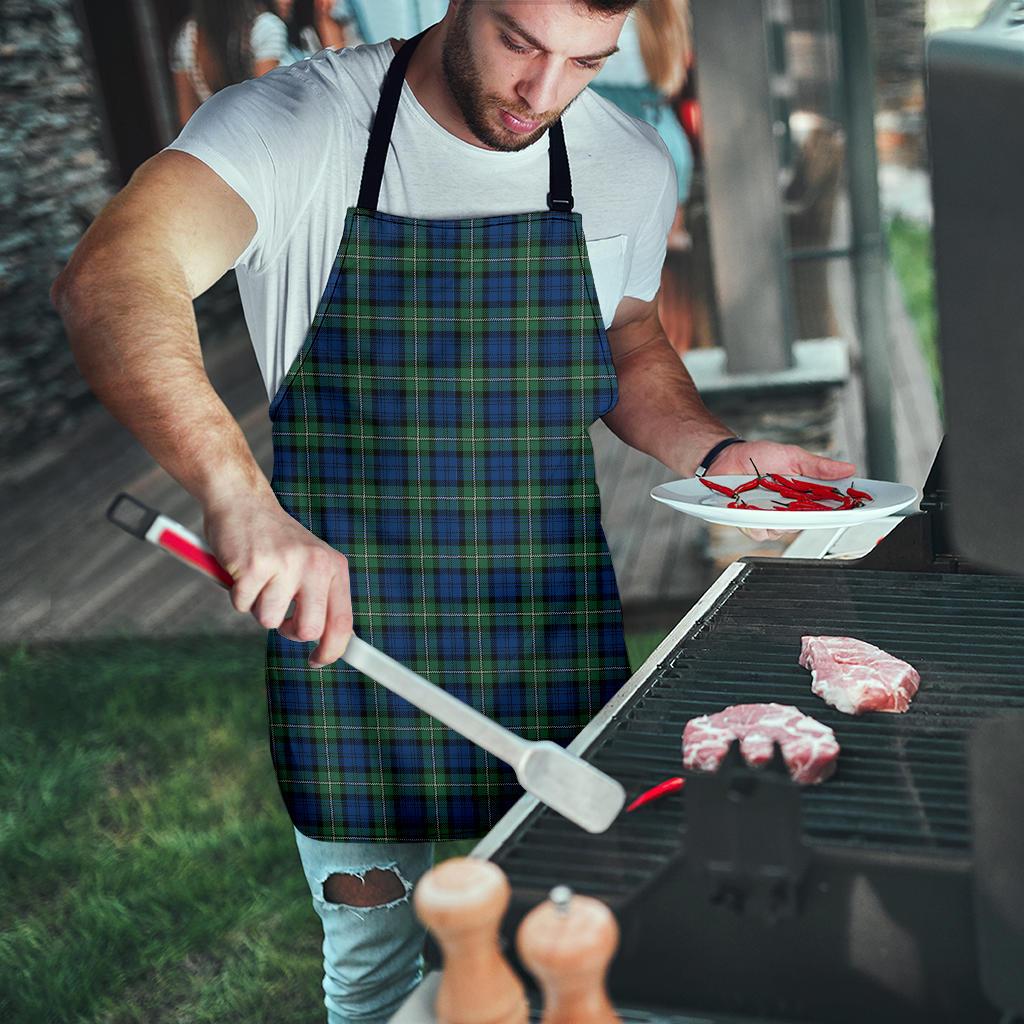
147,867
910,248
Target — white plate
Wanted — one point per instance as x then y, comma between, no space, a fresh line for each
693,498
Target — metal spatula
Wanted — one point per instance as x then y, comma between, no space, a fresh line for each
564,782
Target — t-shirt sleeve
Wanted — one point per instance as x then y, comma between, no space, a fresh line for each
269,38
269,140
180,55
652,238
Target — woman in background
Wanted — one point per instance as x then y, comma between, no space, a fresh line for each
221,43
648,73
644,78
313,25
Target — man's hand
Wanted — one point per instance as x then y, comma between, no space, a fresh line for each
275,560
771,457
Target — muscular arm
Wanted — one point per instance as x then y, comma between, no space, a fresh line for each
331,33
659,410
126,300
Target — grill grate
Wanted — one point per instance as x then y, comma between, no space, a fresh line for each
901,785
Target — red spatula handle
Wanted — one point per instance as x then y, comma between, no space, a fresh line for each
575,789
147,524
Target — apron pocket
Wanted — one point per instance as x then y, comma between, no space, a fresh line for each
607,266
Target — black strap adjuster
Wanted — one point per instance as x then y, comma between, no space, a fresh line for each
560,205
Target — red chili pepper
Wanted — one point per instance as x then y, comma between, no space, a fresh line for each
721,489
810,487
750,485
786,492
668,786
862,495
807,506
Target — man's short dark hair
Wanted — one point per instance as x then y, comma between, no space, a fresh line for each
608,7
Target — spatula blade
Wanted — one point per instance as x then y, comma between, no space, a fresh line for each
571,786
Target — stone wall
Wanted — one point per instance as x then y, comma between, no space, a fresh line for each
54,178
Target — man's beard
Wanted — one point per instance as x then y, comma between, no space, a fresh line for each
466,86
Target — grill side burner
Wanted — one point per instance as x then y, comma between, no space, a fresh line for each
882,923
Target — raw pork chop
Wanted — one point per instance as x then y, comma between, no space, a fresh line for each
808,747
855,677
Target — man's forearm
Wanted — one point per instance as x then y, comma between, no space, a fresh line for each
134,337
659,410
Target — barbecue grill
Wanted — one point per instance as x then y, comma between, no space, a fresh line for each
895,890
746,896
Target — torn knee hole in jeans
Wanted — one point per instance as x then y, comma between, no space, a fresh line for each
375,888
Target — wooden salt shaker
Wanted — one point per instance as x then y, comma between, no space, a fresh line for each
567,943
462,901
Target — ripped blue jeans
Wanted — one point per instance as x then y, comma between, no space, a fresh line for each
373,956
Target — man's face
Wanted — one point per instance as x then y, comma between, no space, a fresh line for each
513,66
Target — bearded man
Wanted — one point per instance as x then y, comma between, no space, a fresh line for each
449,253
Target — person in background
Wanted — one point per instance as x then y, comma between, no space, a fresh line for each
375,20
648,72
221,43
313,25
643,79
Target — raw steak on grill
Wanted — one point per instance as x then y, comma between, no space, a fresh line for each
855,677
808,747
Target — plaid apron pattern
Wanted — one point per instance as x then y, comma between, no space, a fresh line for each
433,429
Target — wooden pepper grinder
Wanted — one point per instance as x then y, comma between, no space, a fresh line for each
567,943
462,901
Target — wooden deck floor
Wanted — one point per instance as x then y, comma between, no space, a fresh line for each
68,573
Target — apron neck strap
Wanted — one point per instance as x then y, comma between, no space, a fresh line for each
383,122
560,186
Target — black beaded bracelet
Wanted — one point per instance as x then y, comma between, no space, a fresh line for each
705,463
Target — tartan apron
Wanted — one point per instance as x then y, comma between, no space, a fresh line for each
433,429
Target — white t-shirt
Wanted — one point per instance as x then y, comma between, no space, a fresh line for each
292,144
